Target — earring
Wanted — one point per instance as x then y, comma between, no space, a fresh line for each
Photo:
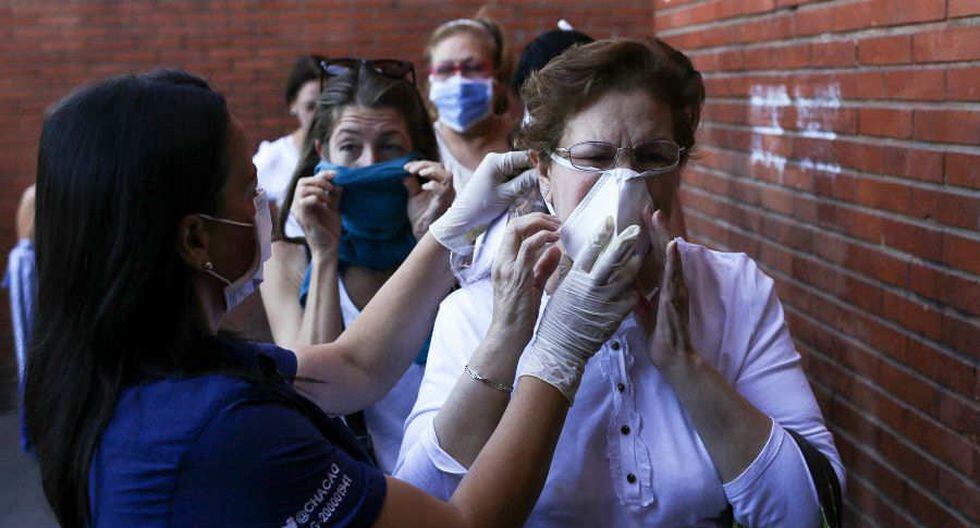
208,266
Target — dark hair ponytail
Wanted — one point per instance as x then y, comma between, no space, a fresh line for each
120,163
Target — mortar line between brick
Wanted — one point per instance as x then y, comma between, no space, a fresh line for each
968,106
943,348
883,461
856,68
966,275
964,192
877,388
866,140
894,29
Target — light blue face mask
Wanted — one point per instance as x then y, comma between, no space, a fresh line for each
461,101
375,230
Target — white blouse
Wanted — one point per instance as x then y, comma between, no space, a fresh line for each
629,454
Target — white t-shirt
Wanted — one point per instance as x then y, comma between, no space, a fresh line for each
629,455
385,419
275,163
461,174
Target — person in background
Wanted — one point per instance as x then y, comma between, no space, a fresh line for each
20,282
150,225
469,88
543,48
369,143
697,411
276,160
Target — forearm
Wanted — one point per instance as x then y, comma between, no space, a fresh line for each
368,358
473,409
732,429
322,321
505,480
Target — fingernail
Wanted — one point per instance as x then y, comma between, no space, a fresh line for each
630,232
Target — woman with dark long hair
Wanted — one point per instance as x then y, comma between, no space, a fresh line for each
149,228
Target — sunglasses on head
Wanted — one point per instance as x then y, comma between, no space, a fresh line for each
391,68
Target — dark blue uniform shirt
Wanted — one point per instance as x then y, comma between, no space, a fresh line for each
217,450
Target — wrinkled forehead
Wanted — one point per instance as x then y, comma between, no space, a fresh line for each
620,118
369,123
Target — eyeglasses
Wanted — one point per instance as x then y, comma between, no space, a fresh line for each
391,68
466,68
659,155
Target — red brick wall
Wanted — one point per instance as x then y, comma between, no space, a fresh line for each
244,46
840,149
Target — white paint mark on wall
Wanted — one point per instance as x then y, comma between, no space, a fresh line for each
815,118
809,164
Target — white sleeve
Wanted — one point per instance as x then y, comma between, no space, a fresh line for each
263,158
776,488
459,327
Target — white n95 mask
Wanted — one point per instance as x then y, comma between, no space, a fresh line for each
237,291
618,193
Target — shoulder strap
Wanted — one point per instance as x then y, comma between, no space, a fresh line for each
824,480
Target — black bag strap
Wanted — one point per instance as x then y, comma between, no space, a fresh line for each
358,425
824,480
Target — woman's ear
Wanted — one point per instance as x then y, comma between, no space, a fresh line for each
193,241
544,179
318,145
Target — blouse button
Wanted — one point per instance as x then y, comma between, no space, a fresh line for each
620,387
615,345
625,429
631,478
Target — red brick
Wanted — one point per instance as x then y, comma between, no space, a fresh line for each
961,252
944,287
887,13
963,84
889,122
960,493
929,85
962,8
949,126
954,209
896,49
947,44
773,57
962,170
959,414
833,53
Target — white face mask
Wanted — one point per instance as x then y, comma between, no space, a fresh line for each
618,193
236,292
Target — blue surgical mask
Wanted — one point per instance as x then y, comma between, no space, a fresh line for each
461,101
375,230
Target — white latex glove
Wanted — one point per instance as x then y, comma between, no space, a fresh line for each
585,310
486,196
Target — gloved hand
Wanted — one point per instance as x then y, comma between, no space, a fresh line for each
486,196
585,310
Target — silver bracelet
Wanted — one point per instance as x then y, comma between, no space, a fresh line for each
490,383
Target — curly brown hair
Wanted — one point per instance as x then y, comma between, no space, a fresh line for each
581,75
